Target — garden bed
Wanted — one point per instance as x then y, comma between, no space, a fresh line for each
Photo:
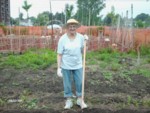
109,87
41,91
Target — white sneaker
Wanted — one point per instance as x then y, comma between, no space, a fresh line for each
69,104
81,103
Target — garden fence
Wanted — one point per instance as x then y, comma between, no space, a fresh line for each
23,43
123,38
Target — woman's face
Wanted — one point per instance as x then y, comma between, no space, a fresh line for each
72,28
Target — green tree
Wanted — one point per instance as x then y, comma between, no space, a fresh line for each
60,17
142,20
139,24
14,21
42,18
111,18
108,19
142,17
69,11
147,22
88,12
34,20
21,16
26,7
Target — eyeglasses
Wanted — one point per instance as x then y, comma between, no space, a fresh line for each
72,26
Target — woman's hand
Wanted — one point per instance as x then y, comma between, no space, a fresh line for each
59,72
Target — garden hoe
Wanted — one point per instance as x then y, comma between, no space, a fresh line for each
83,78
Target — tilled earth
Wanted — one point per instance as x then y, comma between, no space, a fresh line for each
41,91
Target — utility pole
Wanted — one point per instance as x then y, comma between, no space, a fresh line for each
89,16
51,17
132,26
52,35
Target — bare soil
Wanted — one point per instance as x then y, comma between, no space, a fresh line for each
41,91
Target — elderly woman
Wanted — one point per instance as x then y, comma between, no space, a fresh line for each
69,61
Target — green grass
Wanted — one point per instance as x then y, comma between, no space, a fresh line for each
124,64
109,62
33,59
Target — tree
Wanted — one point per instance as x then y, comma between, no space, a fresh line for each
88,12
142,20
42,18
147,22
14,21
26,7
21,16
33,20
111,18
69,11
108,20
139,24
60,17
142,17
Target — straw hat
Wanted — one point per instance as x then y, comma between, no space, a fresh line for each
72,21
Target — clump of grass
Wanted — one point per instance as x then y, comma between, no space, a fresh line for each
106,50
105,57
148,60
0,55
103,65
131,52
27,102
115,67
108,75
141,71
145,50
31,104
145,72
129,100
146,102
91,55
92,62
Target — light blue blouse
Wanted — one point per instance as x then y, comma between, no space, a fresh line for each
71,51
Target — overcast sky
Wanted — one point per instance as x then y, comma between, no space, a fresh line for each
38,6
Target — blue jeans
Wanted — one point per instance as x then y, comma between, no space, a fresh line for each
67,81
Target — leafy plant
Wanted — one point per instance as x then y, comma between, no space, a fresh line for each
129,100
2,102
31,104
146,102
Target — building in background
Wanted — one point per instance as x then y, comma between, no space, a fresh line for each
5,12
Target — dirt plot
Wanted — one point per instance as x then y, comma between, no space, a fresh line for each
41,91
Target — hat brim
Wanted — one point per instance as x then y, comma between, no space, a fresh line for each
67,24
